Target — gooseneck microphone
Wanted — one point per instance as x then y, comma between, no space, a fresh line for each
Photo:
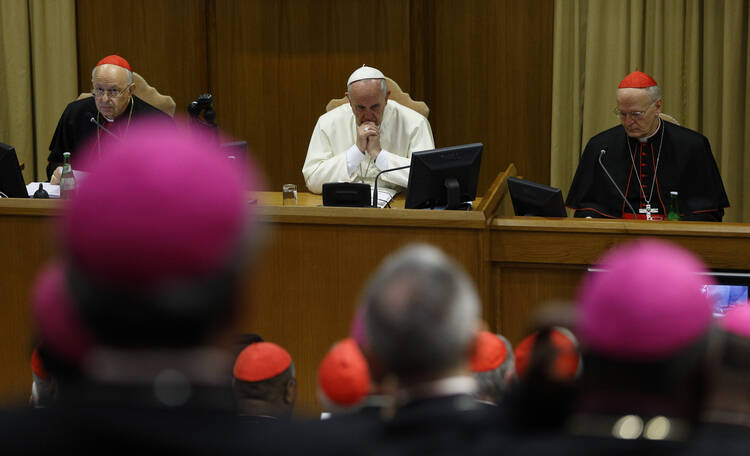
102,127
375,187
601,155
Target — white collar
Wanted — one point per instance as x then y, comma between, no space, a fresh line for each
449,386
645,139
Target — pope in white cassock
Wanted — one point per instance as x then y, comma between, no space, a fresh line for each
355,141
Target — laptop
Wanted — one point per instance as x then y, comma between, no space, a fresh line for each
12,184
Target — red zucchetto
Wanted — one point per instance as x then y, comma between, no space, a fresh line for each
637,80
261,361
344,375
490,353
114,59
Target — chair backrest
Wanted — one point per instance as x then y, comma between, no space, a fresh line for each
148,94
397,94
668,118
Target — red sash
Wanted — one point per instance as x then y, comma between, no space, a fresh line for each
631,216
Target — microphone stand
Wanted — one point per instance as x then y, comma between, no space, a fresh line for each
375,189
93,121
601,154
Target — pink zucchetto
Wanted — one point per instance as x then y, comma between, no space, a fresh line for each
160,205
358,329
646,305
737,320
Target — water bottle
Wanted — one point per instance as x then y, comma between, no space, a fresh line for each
67,180
674,208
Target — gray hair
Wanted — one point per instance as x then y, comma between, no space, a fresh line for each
654,92
493,384
383,85
127,72
422,312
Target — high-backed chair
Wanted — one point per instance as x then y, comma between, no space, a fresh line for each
668,118
148,94
397,94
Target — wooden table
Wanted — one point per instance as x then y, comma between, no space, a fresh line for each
301,291
310,276
536,260
304,286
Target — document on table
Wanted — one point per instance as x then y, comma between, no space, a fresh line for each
385,195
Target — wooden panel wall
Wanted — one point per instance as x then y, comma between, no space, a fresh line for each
484,67
163,40
492,81
22,261
277,64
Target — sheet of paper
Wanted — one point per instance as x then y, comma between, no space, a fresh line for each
385,195
53,190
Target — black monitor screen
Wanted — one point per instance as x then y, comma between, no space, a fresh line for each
11,179
444,178
531,198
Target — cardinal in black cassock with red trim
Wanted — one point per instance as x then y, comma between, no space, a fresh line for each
647,158
113,106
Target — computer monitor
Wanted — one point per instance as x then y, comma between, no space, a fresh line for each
534,199
724,289
730,289
11,180
235,150
444,178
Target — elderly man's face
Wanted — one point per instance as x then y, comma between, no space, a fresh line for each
367,100
638,114
111,90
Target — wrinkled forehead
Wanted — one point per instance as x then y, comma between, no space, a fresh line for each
631,97
110,74
366,91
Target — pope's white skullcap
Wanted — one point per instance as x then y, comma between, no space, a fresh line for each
365,72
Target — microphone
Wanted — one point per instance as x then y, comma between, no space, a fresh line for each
601,154
375,187
94,121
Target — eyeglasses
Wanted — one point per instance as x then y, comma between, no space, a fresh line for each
635,115
111,93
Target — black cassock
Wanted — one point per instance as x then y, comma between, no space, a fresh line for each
685,165
75,128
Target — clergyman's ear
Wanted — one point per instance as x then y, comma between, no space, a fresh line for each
290,392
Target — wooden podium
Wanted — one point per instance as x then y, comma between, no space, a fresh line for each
305,283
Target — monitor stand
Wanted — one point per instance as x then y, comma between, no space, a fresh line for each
453,197
452,193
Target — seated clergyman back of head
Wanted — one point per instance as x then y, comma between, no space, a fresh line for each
264,384
422,316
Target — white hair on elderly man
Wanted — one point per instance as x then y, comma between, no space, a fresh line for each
422,312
